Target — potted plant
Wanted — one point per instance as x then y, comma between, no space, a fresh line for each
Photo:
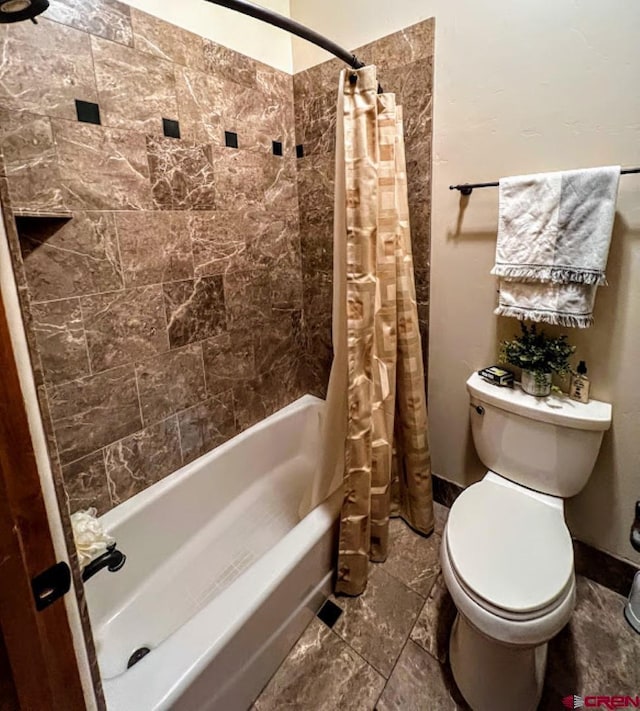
539,356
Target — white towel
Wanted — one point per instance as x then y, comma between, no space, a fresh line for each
561,304
553,242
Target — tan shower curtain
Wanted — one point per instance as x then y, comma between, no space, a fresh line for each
378,354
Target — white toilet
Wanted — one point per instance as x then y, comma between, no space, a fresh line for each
506,554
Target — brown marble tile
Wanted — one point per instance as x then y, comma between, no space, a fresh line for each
170,382
257,398
603,568
247,296
273,237
137,90
277,342
321,78
240,177
30,161
44,68
182,176
317,295
413,559
124,326
598,652
167,41
433,628
278,116
64,258
228,360
441,514
206,426
400,48
195,309
413,86
418,172
316,174
140,460
229,64
286,283
107,18
85,482
219,239
201,101
445,492
420,683
324,674
377,623
316,122
259,115
91,412
155,246
102,168
60,339
280,183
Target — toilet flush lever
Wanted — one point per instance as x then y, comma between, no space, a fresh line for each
478,408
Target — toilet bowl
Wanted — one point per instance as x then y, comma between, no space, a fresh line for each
507,561
506,553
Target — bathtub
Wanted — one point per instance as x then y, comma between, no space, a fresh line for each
221,576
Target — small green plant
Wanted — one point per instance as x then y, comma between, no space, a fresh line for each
538,353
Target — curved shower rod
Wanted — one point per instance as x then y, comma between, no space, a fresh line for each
289,25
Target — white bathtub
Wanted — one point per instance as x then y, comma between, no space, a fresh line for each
221,576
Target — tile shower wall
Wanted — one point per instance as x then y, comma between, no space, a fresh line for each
405,66
160,277
167,302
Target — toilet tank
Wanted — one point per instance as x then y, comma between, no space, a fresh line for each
547,444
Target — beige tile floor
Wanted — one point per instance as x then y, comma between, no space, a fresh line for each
388,650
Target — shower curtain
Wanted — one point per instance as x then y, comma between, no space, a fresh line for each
375,426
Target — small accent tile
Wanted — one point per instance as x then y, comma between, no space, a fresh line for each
230,139
171,128
88,112
299,151
329,613
277,148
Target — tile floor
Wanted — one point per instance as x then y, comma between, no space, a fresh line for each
388,649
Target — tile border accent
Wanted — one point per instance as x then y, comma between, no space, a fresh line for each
171,128
593,563
88,112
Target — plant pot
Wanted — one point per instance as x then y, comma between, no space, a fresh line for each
539,385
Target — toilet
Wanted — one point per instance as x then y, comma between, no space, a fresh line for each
506,554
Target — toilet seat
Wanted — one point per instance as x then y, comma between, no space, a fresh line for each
510,552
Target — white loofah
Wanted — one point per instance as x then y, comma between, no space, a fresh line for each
90,537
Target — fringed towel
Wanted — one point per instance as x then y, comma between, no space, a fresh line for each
545,302
553,242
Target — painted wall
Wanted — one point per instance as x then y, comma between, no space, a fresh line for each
244,34
529,87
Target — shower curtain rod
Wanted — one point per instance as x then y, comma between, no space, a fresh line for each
467,188
289,25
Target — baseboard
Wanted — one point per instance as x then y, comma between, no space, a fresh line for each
597,565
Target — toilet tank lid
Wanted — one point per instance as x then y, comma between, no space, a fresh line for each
556,409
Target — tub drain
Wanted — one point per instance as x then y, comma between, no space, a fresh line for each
137,656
